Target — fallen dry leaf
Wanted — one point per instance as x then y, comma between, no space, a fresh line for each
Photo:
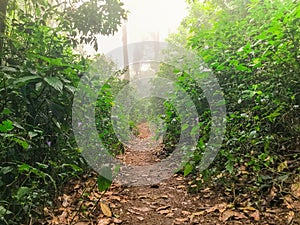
229,214
290,217
142,197
272,194
134,212
46,211
164,196
105,209
170,215
116,221
166,211
142,209
295,188
247,208
82,223
163,207
296,205
185,213
105,221
206,190
181,187
220,207
288,201
182,219
63,216
114,197
255,215
198,213
140,218
66,200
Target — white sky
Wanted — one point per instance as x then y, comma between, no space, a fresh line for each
145,17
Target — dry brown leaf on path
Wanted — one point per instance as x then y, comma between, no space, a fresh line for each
229,214
288,202
247,208
104,221
82,223
105,209
141,209
140,218
142,197
272,194
295,188
220,207
114,197
186,213
66,200
164,196
206,190
181,187
195,214
63,217
170,215
166,211
198,213
296,205
182,220
255,215
163,207
290,217
117,221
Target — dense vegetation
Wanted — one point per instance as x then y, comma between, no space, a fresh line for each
253,49
39,70
251,46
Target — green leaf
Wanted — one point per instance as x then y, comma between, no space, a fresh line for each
241,67
32,134
4,212
55,83
229,166
105,179
6,111
187,169
9,69
27,79
21,142
24,168
184,127
22,192
6,170
6,126
73,166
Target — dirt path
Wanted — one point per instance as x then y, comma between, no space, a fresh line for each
166,203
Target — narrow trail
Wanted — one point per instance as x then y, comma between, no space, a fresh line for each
167,203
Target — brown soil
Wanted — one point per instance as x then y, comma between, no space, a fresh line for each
166,203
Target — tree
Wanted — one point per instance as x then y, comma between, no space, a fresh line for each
39,73
81,20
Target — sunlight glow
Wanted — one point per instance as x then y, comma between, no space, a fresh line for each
146,19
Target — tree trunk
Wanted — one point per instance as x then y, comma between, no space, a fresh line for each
3,8
125,53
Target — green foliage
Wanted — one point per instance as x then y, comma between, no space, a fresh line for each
39,73
104,105
104,181
253,49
